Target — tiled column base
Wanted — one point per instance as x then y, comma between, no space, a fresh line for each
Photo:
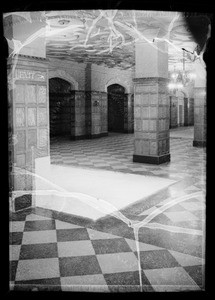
200,118
151,121
157,160
199,143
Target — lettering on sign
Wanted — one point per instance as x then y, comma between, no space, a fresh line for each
30,75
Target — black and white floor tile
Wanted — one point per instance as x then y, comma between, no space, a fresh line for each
57,252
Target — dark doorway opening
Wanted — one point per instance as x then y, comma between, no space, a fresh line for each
116,96
60,107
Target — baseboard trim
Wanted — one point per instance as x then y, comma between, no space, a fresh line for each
157,160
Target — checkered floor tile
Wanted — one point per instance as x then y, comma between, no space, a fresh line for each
47,253
53,251
115,152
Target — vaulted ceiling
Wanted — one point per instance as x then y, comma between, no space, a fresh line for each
108,36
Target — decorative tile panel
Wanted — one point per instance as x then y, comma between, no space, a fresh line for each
41,116
20,160
31,93
42,94
31,116
21,136
20,116
32,138
19,93
43,138
19,182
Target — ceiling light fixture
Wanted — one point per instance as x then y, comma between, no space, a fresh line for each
181,79
64,22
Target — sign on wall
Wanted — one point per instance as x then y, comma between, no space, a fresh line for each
20,74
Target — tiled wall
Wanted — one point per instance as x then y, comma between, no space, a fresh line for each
72,71
102,76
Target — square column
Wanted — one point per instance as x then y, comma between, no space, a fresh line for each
78,127
186,112
28,104
129,113
200,105
95,108
151,104
98,114
200,117
191,112
28,123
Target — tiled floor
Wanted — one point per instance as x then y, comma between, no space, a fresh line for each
52,250
115,153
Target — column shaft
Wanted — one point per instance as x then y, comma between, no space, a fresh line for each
151,103
200,117
28,102
186,112
173,111
29,105
129,113
151,121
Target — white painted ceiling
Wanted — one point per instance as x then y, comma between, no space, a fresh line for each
108,36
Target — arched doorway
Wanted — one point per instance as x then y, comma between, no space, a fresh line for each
116,96
60,107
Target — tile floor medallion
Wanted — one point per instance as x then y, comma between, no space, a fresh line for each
152,245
